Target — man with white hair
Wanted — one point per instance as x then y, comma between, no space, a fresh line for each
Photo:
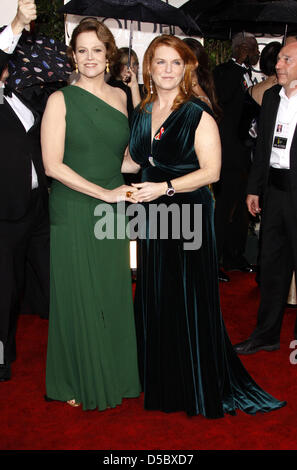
274,177
291,37
231,217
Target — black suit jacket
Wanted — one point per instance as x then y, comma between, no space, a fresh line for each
18,149
231,88
259,174
4,58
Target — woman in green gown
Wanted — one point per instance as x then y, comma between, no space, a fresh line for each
186,360
91,357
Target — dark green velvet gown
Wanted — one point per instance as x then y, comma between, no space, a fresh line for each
186,359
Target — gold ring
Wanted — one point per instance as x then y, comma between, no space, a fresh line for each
129,193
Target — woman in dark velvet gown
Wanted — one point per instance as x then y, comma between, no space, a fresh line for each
186,359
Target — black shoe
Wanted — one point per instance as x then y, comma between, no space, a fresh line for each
223,277
248,268
5,372
239,263
244,268
250,346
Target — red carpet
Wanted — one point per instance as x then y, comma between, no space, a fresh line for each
28,422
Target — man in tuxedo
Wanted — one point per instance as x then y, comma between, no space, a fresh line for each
274,176
231,217
24,225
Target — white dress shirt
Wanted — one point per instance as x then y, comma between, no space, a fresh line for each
8,43
285,125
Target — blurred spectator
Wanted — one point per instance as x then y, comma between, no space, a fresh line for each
231,217
126,77
268,61
254,94
203,83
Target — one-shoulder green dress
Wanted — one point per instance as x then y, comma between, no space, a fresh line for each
91,345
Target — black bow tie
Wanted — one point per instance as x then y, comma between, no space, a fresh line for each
249,72
8,91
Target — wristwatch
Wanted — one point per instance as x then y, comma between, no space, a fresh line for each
170,191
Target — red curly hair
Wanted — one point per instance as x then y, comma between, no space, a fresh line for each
189,59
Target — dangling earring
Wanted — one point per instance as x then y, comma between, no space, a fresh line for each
184,84
151,85
75,64
107,67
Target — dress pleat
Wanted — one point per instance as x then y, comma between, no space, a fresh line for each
92,344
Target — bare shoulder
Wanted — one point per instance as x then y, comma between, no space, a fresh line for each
117,98
56,103
56,98
207,133
120,94
207,123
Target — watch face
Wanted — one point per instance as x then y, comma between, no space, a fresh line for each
170,191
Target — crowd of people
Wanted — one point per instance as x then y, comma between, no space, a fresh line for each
198,140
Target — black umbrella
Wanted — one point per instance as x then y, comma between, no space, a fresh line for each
147,11
279,12
212,16
242,18
253,16
284,11
198,9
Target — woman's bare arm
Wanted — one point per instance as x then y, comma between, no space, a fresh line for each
53,130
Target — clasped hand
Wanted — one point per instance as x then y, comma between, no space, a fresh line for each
122,193
148,191
137,192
